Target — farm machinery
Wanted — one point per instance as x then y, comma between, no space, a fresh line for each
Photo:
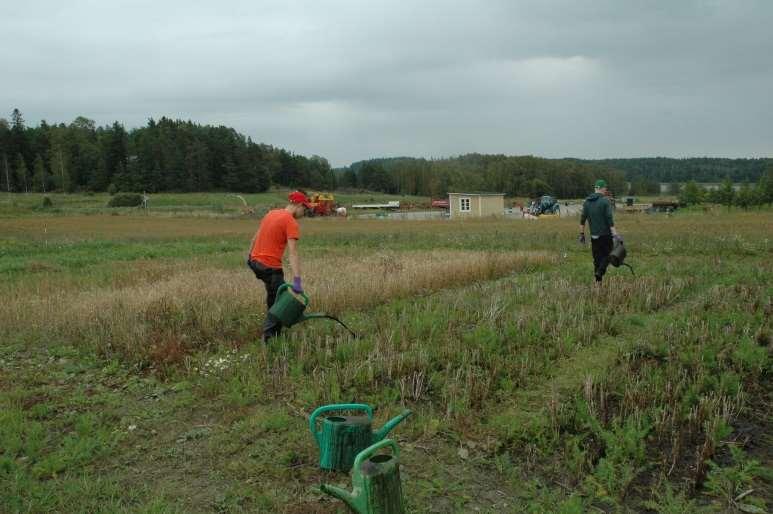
323,204
544,205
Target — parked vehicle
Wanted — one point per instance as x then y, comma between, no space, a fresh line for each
544,205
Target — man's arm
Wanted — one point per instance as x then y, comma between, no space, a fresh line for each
583,217
295,262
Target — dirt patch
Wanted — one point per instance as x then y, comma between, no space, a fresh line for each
313,508
30,401
756,429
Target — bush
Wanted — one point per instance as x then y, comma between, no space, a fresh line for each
692,194
112,189
125,200
47,203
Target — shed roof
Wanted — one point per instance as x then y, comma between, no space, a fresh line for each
478,193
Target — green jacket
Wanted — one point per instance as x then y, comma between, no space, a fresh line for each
598,212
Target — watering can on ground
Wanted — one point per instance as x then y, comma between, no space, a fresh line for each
289,307
341,438
375,481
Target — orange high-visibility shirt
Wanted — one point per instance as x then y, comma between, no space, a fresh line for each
271,239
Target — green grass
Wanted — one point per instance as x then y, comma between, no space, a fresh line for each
532,390
186,204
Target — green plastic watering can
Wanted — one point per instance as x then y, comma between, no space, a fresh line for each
617,256
289,308
341,438
375,481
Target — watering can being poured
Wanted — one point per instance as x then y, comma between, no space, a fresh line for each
289,306
341,438
375,481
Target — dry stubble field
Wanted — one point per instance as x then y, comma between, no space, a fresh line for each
131,378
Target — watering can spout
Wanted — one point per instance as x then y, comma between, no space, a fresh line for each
392,423
322,315
344,496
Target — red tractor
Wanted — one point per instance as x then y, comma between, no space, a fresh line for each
322,204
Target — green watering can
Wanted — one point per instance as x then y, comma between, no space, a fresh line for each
289,306
617,256
375,481
341,438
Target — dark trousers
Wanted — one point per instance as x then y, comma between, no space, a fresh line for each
601,247
272,278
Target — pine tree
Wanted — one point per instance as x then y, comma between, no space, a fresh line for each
231,180
197,167
7,173
349,178
5,143
22,173
114,153
124,180
17,119
258,172
19,146
258,178
725,195
156,178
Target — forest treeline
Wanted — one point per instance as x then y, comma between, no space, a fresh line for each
164,155
513,175
533,176
176,155
698,169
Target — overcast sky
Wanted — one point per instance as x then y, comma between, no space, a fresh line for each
351,80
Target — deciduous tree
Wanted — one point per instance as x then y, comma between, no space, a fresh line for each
40,178
692,194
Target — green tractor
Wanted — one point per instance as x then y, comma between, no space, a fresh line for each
544,205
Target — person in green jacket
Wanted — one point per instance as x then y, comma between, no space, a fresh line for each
597,211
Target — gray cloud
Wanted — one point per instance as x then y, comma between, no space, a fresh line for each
352,79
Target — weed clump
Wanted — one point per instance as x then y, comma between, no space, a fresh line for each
125,200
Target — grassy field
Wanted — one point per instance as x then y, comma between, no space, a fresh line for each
132,378
209,205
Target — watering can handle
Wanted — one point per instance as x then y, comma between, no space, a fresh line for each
370,450
337,406
286,286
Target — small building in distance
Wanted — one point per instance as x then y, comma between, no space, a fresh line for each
476,205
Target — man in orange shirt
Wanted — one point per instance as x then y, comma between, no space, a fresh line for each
278,229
